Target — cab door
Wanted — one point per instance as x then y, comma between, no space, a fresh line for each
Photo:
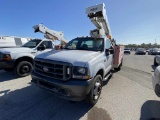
108,61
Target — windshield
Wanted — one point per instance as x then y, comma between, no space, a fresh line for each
90,44
32,43
155,49
126,49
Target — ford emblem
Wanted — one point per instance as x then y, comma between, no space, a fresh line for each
45,69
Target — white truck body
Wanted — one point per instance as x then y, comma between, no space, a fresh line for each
21,59
10,58
12,41
157,60
156,81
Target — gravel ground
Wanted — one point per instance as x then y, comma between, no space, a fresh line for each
128,95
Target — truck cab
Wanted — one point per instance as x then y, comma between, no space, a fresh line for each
20,59
77,71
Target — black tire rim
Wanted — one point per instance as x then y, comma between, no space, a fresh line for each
97,90
25,69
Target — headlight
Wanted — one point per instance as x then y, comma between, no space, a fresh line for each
81,70
81,73
6,57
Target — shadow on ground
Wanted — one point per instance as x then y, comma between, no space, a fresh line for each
150,110
6,76
33,103
126,54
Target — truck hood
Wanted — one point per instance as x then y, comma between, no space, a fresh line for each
75,57
15,50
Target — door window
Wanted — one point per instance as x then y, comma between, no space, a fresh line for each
48,44
108,44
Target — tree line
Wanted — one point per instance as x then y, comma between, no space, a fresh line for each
143,45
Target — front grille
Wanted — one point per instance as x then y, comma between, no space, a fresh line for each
53,69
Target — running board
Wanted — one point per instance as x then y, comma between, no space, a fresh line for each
108,75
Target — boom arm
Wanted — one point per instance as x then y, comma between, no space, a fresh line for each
97,15
50,34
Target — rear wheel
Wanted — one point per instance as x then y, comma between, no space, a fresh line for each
24,68
95,92
119,67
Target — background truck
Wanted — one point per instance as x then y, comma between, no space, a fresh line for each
20,59
78,71
12,41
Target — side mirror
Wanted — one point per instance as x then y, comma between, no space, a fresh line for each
41,47
107,52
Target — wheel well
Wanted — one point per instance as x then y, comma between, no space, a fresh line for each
100,72
29,59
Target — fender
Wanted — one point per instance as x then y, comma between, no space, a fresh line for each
95,68
16,56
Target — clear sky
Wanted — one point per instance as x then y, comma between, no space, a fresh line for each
131,21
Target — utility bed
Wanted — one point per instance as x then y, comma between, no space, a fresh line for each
118,55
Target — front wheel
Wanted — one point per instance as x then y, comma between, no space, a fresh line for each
24,68
95,92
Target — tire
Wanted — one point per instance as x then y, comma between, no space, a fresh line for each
155,63
8,69
119,67
24,68
157,90
95,92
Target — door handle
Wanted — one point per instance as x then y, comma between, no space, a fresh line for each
33,52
